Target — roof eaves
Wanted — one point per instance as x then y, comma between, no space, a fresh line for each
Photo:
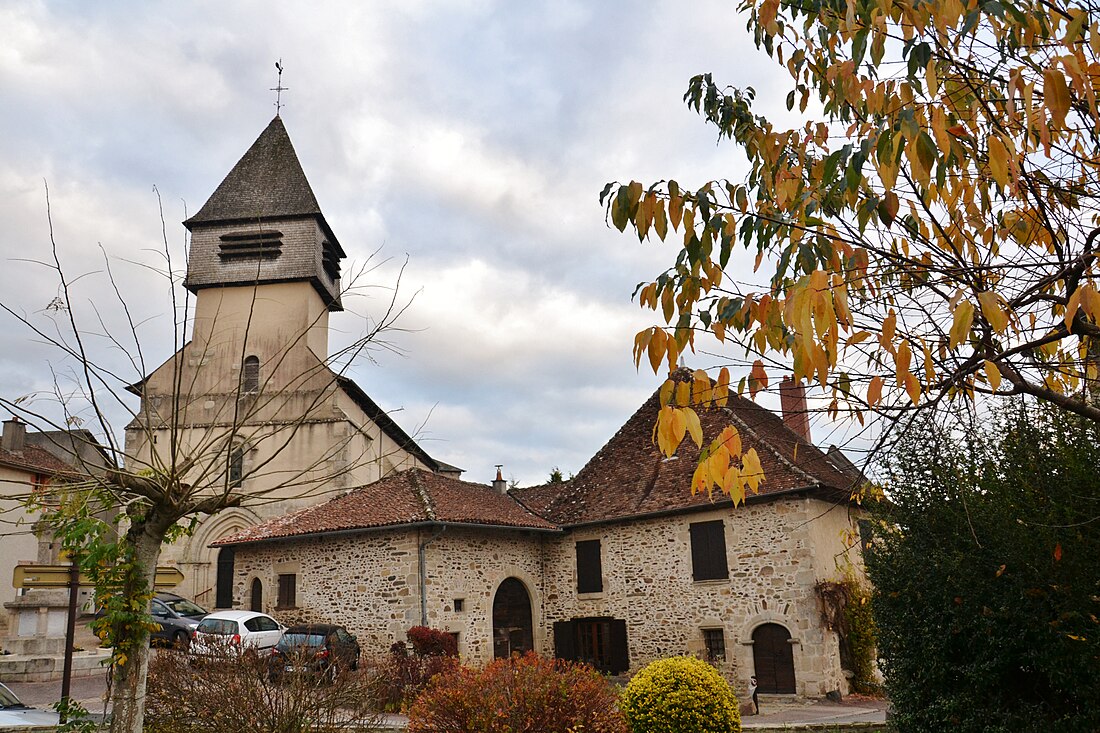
383,420
723,503
386,527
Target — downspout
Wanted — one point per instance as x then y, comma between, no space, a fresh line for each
422,558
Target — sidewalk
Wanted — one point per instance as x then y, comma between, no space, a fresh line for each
816,714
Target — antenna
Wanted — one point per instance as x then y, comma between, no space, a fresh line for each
279,88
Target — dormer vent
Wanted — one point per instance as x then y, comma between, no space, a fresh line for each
265,245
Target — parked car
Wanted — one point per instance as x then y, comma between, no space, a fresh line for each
177,618
316,648
235,630
14,714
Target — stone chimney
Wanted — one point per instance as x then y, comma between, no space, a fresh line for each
499,484
15,436
796,414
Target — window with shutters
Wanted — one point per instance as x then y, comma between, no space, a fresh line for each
708,551
599,642
589,567
288,591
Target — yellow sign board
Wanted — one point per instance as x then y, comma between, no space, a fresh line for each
57,576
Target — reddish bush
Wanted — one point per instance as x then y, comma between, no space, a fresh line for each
432,642
522,693
400,676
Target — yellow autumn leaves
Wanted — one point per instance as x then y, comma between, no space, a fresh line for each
722,465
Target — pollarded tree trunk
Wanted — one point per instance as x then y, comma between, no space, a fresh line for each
128,696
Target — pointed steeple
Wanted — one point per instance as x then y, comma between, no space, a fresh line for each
263,225
267,182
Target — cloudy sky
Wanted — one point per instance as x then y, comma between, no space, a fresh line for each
472,138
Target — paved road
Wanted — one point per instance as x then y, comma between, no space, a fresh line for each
88,691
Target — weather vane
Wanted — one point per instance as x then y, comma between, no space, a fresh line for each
279,88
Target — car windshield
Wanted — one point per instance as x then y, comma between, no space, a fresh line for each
8,699
297,639
221,626
184,607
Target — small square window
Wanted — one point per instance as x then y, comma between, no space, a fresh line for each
715,642
460,605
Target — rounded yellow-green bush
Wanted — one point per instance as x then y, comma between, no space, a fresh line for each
679,695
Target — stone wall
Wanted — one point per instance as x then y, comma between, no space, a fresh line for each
647,572
776,553
369,582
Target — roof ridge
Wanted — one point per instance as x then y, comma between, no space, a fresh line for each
422,493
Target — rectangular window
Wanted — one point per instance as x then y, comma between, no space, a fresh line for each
460,605
708,551
715,642
589,567
600,642
288,591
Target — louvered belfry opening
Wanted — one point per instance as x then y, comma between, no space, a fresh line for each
264,245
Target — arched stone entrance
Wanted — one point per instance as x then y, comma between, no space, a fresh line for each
223,594
773,657
513,631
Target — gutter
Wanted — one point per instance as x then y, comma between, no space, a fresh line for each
384,528
754,499
422,558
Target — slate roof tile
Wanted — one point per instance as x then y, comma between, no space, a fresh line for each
267,182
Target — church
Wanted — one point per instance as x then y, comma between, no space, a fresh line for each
352,522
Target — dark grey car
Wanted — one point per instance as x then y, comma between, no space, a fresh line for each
177,618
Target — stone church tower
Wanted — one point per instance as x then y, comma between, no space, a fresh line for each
253,399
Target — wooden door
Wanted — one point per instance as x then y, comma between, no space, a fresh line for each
773,656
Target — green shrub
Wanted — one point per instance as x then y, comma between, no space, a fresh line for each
987,579
528,693
679,695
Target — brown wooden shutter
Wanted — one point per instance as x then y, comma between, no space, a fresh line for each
708,551
589,567
620,653
565,640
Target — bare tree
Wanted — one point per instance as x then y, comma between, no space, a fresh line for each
206,437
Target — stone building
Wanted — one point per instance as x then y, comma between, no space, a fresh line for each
254,402
618,566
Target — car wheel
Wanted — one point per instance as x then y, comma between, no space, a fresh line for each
180,640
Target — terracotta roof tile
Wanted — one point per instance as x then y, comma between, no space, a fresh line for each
629,476
36,460
407,497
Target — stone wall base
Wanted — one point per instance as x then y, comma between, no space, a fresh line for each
23,668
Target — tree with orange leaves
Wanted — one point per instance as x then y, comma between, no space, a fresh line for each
929,233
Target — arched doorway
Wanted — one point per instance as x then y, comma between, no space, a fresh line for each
256,596
773,656
223,595
512,627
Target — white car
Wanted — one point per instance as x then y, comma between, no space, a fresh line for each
235,631
14,714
